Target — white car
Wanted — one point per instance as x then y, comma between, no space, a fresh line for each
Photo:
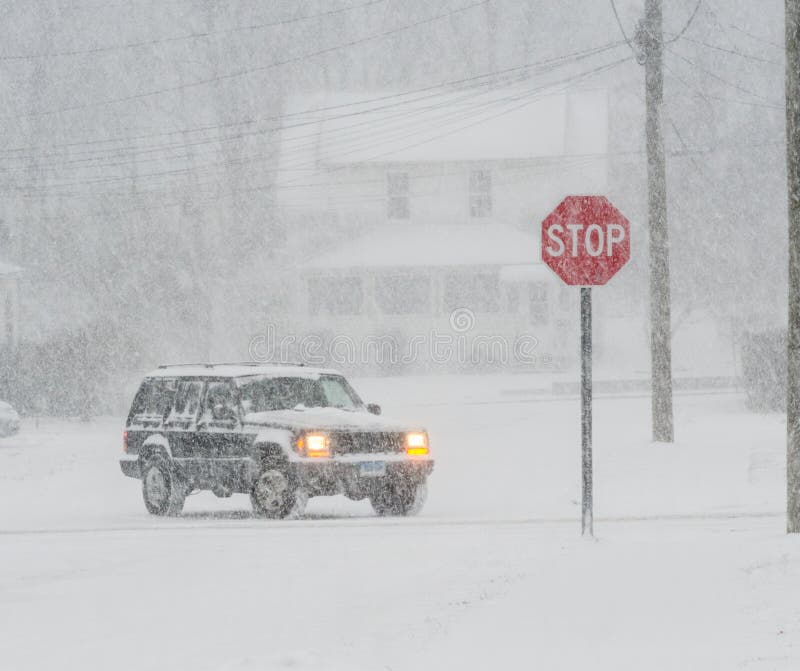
9,420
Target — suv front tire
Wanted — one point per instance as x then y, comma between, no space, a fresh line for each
275,494
399,497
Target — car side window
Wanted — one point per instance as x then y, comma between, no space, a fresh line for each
220,404
153,401
187,401
256,396
337,393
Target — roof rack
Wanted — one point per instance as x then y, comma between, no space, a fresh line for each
184,365
261,363
232,363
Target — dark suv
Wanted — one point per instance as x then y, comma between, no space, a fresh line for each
280,433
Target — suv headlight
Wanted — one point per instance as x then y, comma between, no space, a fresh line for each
314,445
417,443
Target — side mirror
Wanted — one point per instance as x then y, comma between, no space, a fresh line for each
374,408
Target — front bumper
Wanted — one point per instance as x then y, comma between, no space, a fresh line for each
347,468
335,476
316,475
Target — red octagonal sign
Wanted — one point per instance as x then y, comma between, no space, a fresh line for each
586,240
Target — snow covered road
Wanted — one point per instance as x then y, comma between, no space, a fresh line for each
691,569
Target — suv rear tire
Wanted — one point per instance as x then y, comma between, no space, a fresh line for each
163,490
400,498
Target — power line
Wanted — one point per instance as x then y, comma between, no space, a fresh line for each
361,141
277,117
404,115
514,98
574,160
192,36
571,162
262,68
735,52
107,5
135,152
723,29
474,110
638,52
594,71
335,146
635,51
402,105
688,23
578,55
756,37
720,79
709,97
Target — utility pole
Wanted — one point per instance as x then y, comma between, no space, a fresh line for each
793,340
650,41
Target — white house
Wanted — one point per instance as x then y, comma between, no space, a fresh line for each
425,208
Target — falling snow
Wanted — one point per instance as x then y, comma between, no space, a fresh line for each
360,186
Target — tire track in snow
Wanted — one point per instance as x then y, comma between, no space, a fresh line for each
320,523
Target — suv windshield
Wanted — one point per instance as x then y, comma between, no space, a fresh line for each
263,394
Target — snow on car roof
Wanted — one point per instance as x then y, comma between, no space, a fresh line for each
240,370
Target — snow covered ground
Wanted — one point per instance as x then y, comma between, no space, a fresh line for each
691,568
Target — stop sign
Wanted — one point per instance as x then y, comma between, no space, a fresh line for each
586,240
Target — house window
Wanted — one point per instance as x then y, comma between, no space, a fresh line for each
403,295
538,304
512,297
480,193
479,292
397,190
335,295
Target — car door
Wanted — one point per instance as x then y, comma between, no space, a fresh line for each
219,425
181,423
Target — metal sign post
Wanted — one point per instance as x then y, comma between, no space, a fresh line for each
585,241
587,512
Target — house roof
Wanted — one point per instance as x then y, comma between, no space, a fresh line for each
494,124
7,269
402,246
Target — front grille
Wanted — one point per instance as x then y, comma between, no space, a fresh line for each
366,442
